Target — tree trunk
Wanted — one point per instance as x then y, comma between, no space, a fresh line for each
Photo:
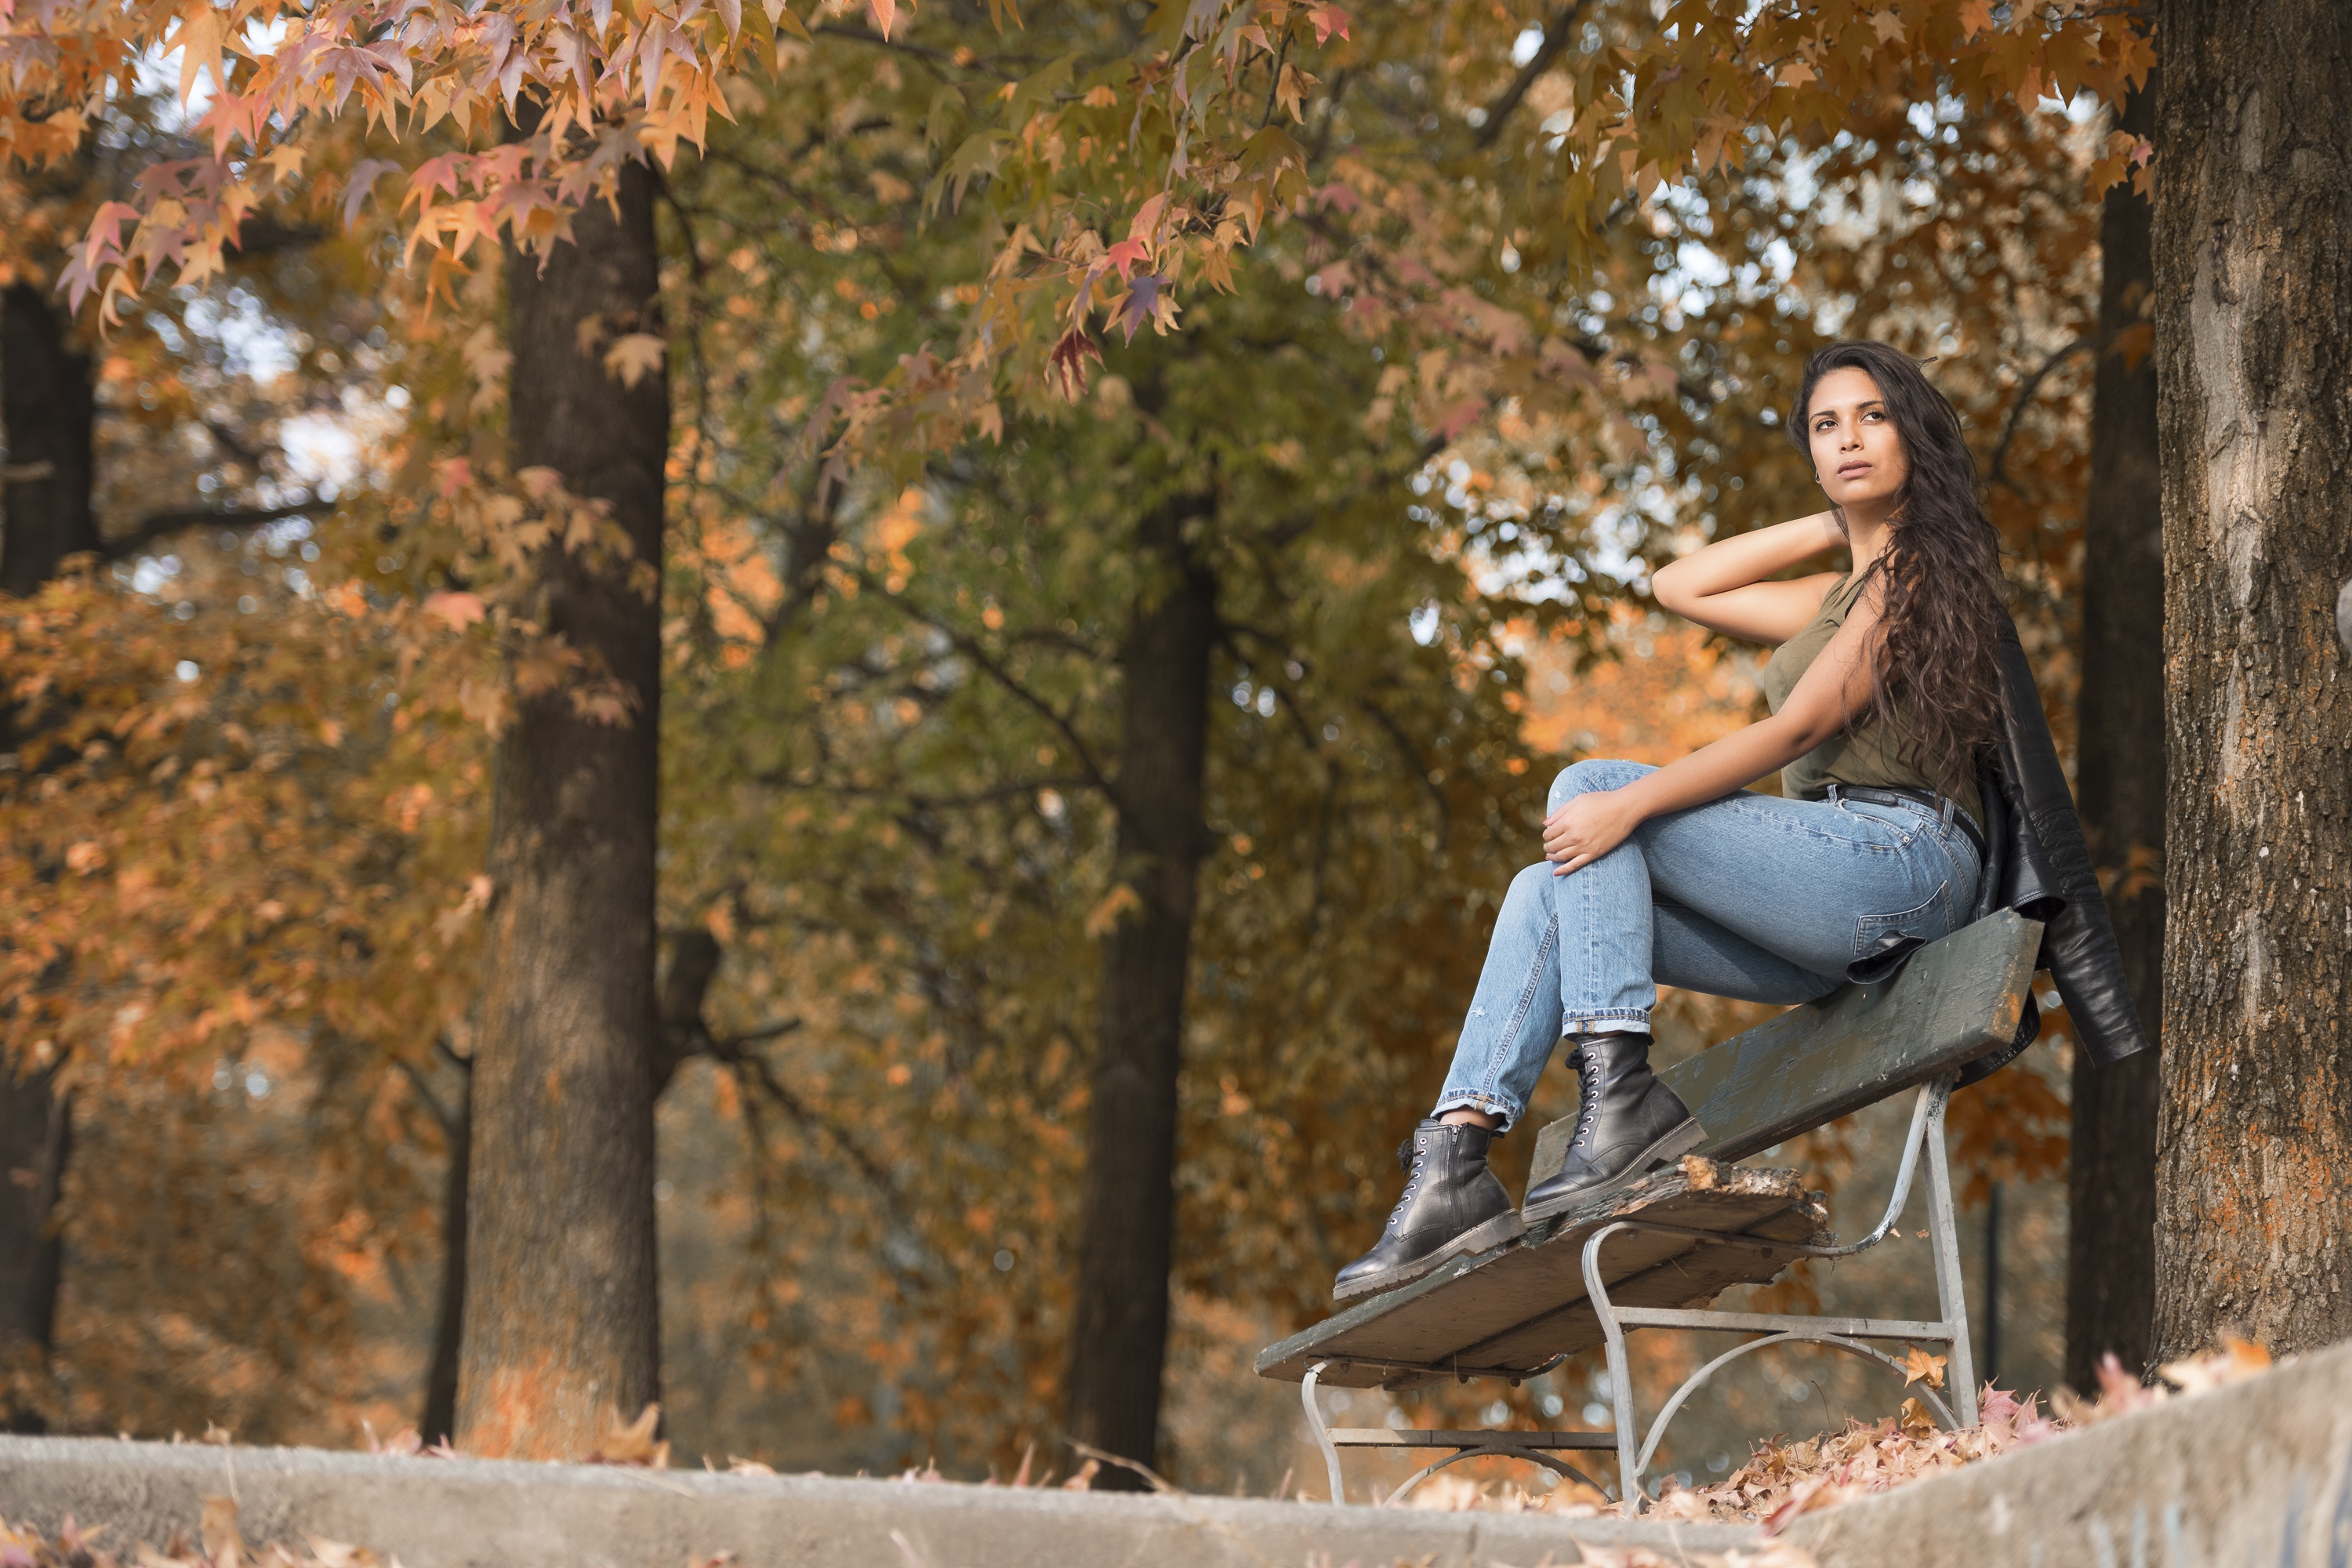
561,1310
2111,1231
49,410
45,393
439,1422
36,1135
1120,1327
2254,271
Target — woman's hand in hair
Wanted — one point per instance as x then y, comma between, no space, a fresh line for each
1587,827
1726,586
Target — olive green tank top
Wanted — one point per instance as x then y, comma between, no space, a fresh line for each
1865,754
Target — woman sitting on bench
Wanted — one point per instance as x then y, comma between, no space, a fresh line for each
1885,694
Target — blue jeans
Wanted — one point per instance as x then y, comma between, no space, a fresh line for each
1750,896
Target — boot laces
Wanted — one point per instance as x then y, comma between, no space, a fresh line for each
1588,1096
1409,1156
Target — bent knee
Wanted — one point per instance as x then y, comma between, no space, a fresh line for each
1592,774
1532,879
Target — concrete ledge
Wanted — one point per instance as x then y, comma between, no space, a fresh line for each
2257,1473
475,1513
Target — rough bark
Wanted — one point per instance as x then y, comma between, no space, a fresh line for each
562,1314
439,1421
2111,1234
1119,1327
2253,270
35,1136
45,393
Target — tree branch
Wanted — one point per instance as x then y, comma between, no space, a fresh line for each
158,525
1998,470
970,647
1554,45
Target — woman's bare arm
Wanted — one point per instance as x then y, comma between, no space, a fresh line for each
1838,683
1723,587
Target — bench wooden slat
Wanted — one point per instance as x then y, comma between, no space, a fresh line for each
1512,1311
1509,1312
1955,1000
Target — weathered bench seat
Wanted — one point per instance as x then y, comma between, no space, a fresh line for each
1526,1307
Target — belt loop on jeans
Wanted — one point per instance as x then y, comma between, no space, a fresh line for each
1830,797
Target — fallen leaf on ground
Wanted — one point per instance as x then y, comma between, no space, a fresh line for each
632,1443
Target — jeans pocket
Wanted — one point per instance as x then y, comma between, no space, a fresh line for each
1881,942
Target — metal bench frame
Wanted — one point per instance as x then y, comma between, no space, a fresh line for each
1634,1451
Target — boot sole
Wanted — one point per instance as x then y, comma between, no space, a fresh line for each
1681,1140
1500,1231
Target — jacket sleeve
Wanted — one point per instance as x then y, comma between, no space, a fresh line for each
2046,871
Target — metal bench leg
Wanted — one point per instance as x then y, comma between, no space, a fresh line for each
1322,1433
1629,1492
1486,1451
1951,1295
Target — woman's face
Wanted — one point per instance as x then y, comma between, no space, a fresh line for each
1857,456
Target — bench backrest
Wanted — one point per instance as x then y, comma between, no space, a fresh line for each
1955,1000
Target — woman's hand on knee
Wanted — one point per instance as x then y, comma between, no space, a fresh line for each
1587,827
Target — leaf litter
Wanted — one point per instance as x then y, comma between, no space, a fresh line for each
1784,1481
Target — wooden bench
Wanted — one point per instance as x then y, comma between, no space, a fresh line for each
1678,1236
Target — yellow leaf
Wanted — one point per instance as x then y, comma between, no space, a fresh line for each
199,43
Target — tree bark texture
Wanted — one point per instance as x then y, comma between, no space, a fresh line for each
36,1135
2253,272
45,397
561,1326
1120,1328
2111,1230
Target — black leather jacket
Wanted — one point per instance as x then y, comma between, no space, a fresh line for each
2040,867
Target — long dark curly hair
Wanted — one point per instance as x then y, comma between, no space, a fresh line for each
1942,598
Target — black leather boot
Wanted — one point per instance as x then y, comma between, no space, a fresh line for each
1628,1123
1452,1204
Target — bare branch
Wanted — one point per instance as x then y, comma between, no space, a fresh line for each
971,649
1998,470
1555,44
161,524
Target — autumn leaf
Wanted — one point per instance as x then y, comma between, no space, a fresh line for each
635,356
1328,19
632,1442
459,610
1918,1366
1067,364
363,176
1104,918
2232,1361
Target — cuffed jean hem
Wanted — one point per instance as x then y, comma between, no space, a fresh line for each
1612,1021
1488,1103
